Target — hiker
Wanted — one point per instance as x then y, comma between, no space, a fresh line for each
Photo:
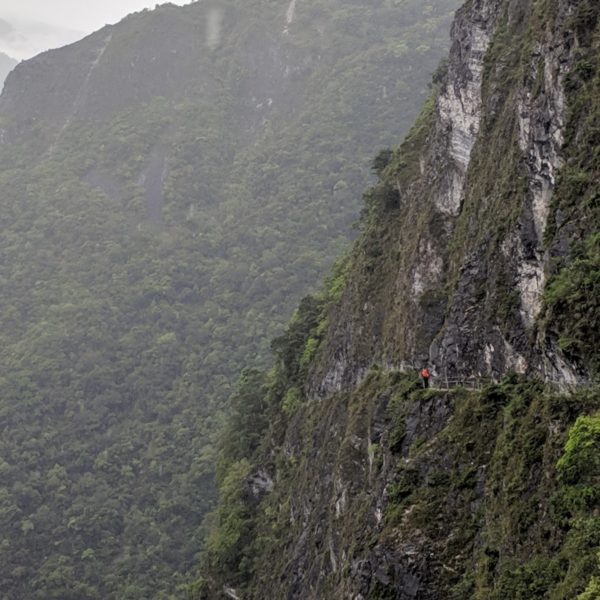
425,374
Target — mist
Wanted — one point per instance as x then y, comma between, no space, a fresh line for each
29,27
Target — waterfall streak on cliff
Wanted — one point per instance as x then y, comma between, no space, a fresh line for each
289,17
83,92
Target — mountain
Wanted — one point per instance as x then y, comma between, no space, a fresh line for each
7,64
171,187
339,475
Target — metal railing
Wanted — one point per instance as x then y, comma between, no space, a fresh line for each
478,383
472,383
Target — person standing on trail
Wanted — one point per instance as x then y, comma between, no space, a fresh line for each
425,374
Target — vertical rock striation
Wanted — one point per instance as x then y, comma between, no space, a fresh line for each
454,276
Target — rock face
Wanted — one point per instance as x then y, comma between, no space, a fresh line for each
472,245
464,259
342,506
541,119
397,493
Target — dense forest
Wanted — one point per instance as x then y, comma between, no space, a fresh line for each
171,186
340,475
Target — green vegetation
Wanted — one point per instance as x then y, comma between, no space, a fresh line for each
230,545
501,485
573,305
470,494
558,516
572,293
261,407
159,223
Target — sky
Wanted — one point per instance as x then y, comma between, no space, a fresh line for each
38,25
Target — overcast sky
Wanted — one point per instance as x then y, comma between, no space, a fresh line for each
68,20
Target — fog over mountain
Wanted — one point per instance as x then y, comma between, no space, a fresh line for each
171,187
25,38
6,66
29,27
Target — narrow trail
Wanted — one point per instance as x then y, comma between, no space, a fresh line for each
439,384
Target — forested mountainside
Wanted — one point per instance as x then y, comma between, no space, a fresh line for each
7,64
170,187
479,256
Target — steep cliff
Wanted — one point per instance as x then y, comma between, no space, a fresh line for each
479,257
484,212
392,492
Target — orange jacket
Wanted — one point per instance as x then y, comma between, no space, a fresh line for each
425,373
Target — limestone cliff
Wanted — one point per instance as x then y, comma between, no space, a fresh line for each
478,256
464,255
